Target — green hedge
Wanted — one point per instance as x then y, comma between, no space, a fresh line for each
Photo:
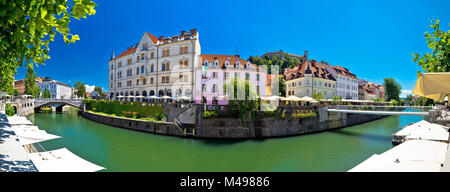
9,110
129,109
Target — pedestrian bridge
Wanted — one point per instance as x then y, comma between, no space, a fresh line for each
72,102
377,112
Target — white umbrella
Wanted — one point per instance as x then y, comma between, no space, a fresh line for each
120,96
166,97
154,97
306,98
274,97
184,98
130,96
291,98
139,96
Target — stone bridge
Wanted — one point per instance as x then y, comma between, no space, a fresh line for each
60,102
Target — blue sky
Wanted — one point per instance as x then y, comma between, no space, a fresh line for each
373,39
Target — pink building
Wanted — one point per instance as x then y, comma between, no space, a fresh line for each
215,70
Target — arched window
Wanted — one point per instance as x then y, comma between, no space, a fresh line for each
186,49
164,53
163,67
167,66
181,65
137,71
161,93
142,69
185,64
179,92
152,93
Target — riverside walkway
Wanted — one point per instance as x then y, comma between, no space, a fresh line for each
378,112
13,157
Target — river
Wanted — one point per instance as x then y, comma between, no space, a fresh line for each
120,149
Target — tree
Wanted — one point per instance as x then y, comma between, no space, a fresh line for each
30,82
244,105
46,93
318,96
439,58
392,88
99,90
28,27
337,99
282,86
81,89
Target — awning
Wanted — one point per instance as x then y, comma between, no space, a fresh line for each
425,131
410,156
433,85
34,136
18,120
306,98
292,98
62,160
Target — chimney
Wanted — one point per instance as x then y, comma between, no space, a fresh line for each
193,31
183,33
161,38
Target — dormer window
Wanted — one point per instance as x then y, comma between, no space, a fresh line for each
238,65
216,62
205,63
247,65
227,64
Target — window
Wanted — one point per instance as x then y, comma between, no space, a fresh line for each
225,75
257,77
119,84
137,58
167,66
137,82
247,76
186,50
142,55
137,71
163,67
111,76
214,75
112,66
167,79
167,52
186,64
144,81
180,77
164,53
181,65
257,89
163,79
181,50
152,68
152,55
142,69
151,81
129,61
203,88
214,88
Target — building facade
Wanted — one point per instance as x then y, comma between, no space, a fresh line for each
346,82
370,90
216,70
161,66
308,78
58,90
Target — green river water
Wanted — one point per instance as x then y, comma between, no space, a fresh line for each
120,149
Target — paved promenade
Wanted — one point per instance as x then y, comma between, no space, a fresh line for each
13,157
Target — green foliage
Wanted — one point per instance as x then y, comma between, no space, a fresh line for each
274,113
9,110
392,88
376,99
318,96
30,82
423,101
304,115
244,105
286,62
282,86
81,89
99,90
209,114
28,27
394,102
439,58
46,94
130,110
337,99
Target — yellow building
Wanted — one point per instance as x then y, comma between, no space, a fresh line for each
308,78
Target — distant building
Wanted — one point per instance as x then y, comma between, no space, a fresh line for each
346,82
20,85
215,70
310,77
58,90
368,90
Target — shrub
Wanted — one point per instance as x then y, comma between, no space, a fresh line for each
209,114
131,109
304,115
9,110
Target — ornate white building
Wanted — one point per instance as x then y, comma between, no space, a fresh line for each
156,66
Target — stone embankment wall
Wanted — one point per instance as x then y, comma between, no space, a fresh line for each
274,127
226,128
163,128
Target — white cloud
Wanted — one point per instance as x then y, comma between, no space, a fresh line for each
405,93
89,88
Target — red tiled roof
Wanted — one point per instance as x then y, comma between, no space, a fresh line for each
317,69
222,58
129,51
343,71
154,39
